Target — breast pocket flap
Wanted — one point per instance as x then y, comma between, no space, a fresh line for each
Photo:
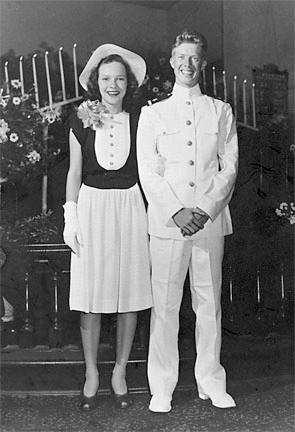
168,131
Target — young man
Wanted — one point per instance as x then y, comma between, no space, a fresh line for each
187,158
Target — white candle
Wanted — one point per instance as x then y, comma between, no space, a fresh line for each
48,79
261,170
235,96
35,80
55,293
27,291
282,284
44,192
245,101
253,105
287,172
214,80
230,290
204,79
21,75
62,76
75,70
224,87
258,286
6,76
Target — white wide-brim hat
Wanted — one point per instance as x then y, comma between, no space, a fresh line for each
136,63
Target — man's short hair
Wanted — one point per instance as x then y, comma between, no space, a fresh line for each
191,37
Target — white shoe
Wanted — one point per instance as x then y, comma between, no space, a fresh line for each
223,400
160,404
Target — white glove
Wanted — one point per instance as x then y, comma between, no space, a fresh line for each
72,233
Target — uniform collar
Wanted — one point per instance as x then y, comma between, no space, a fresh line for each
186,93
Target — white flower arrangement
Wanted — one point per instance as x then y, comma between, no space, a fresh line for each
167,85
16,83
92,114
158,82
21,125
286,211
50,115
33,156
16,100
13,137
3,131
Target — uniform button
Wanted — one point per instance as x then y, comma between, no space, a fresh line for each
192,184
191,162
111,163
112,126
189,143
111,144
188,102
188,122
111,155
111,136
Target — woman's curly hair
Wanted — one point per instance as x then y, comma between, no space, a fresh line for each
93,92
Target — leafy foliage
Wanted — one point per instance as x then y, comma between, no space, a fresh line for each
24,151
34,229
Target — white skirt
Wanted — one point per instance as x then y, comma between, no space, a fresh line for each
112,273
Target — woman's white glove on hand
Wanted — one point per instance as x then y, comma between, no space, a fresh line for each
72,233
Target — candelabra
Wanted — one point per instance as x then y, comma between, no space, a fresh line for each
66,99
220,87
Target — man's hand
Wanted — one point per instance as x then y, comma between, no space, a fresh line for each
186,221
200,218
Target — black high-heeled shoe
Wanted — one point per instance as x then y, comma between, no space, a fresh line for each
121,401
88,403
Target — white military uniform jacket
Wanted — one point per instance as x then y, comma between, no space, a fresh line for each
187,157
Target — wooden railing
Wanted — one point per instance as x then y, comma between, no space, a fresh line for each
47,277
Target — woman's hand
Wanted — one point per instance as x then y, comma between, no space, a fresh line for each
72,233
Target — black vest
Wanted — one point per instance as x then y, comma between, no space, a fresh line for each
95,175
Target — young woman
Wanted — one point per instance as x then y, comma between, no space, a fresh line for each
105,218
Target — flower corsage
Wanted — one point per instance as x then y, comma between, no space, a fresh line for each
92,114
286,211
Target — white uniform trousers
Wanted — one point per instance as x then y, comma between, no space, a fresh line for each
170,261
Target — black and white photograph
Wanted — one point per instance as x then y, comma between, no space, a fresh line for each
147,215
